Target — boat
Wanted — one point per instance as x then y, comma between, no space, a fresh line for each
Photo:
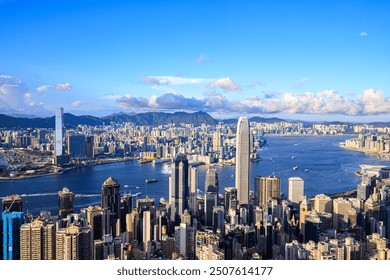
160,160
150,181
306,169
295,167
126,186
78,195
142,161
23,195
292,157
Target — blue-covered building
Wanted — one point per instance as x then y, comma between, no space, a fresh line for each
11,234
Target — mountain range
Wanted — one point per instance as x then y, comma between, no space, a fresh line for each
150,118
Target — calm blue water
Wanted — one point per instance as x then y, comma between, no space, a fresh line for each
331,170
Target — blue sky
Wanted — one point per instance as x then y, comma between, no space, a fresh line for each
313,60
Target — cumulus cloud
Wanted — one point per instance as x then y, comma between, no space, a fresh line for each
43,88
202,59
370,102
226,84
63,86
363,34
173,80
15,96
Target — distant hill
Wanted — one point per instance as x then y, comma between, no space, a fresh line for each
150,118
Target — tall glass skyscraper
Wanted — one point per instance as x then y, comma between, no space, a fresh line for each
242,161
178,187
59,132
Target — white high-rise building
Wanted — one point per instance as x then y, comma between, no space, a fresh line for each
295,189
59,132
242,160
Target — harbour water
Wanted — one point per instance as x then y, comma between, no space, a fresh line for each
324,166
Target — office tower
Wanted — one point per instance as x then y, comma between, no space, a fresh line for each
12,203
90,147
11,234
242,161
230,198
146,229
266,188
211,195
132,225
65,203
126,208
295,189
216,141
111,199
178,188
323,204
193,182
59,132
74,243
37,240
218,219
304,210
77,146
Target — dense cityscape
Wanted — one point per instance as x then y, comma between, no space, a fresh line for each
198,220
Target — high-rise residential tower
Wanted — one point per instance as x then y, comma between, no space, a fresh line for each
242,161
178,187
59,132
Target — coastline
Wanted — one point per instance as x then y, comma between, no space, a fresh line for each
21,177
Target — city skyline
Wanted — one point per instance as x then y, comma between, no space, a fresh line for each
309,61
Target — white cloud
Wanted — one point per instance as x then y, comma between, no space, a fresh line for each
173,80
226,84
15,96
301,83
63,86
77,103
43,88
202,59
363,34
370,102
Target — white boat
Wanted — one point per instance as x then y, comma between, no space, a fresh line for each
306,169
292,157
160,160
295,167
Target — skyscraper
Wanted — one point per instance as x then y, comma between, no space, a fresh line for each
77,146
178,188
65,203
37,240
266,188
242,161
11,234
59,132
111,200
211,195
74,243
295,189
193,186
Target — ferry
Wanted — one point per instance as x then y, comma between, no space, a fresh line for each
147,181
